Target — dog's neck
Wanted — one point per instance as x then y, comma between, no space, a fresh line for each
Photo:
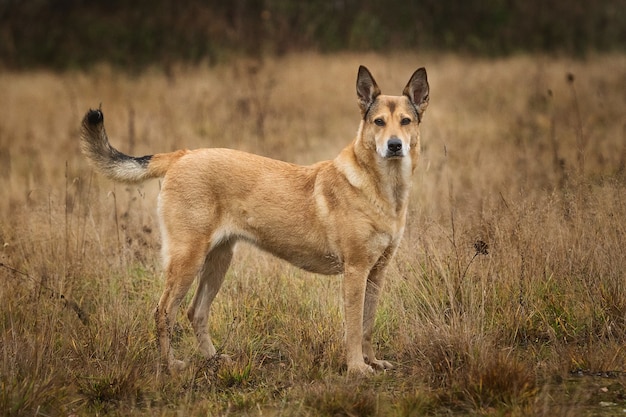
387,182
395,181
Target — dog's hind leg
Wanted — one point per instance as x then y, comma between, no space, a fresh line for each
216,264
183,262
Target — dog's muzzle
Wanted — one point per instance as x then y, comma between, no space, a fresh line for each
394,148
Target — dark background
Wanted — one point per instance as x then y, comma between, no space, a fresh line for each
66,34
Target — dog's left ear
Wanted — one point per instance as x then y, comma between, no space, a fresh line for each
417,91
366,90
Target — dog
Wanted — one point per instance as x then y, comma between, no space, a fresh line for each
344,216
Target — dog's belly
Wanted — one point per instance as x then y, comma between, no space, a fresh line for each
309,259
327,264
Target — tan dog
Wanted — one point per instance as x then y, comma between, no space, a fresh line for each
341,216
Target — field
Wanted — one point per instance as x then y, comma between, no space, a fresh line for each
507,296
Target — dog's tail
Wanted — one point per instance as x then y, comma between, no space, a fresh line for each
114,164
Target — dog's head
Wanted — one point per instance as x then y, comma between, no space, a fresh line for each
391,123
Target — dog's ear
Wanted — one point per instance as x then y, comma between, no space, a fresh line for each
366,90
417,91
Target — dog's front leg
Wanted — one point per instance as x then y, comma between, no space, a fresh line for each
354,284
375,282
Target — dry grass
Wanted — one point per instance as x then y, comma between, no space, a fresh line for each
517,154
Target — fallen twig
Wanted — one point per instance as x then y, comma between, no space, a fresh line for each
69,303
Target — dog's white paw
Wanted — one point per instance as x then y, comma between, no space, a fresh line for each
226,359
380,365
176,365
360,369
377,364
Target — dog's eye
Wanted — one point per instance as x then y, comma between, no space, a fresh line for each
379,122
405,121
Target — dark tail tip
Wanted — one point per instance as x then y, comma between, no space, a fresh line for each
95,117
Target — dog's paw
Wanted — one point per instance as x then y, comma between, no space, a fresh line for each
377,364
176,365
226,359
380,365
360,369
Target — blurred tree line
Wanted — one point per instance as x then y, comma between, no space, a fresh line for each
78,33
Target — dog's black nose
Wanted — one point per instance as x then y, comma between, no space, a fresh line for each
394,145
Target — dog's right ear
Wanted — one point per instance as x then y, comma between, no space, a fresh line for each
366,90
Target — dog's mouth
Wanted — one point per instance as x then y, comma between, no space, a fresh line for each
394,154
